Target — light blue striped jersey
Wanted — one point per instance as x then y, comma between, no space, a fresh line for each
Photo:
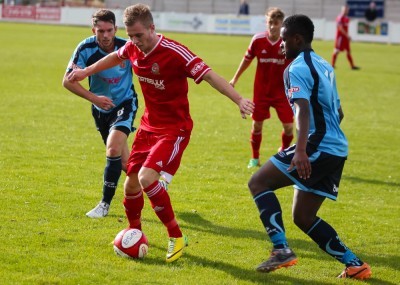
115,83
311,77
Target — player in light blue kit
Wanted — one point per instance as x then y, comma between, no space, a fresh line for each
113,98
314,164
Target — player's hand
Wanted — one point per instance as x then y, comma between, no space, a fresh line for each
104,102
302,163
246,107
77,75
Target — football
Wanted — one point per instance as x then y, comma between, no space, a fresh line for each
131,243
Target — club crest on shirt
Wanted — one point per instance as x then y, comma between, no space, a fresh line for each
155,68
122,64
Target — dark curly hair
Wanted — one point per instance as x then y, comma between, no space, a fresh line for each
300,24
103,15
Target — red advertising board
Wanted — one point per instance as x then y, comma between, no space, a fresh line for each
31,13
48,14
18,12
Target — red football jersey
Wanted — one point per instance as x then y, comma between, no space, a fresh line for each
342,42
271,63
162,74
343,21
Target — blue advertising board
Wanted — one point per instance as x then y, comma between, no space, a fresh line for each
358,7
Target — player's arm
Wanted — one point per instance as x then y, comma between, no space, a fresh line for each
342,31
106,62
217,82
300,159
244,64
75,87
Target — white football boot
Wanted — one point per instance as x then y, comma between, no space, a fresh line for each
100,211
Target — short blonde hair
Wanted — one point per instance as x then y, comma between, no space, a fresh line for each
275,13
138,13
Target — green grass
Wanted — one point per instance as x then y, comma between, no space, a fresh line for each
52,159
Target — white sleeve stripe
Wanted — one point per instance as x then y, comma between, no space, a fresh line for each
256,37
178,46
179,49
191,60
176,148
202,74
187,57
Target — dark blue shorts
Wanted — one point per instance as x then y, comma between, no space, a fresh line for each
120,118
326,171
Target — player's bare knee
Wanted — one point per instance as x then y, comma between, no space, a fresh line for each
302,221
254,186
145,180
131,188
113,151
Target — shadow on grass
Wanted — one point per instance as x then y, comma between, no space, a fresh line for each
197,223
235,271
370,181
244,274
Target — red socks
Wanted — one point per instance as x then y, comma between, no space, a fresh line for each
255,141
133,205
162,206
350,59
286,140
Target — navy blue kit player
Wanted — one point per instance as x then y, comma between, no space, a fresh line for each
314,164
113,98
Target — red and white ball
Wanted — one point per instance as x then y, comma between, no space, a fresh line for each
131,243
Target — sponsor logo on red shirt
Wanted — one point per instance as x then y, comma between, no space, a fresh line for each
279,61
198,67
159,84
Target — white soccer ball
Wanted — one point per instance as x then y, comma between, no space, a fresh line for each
131,243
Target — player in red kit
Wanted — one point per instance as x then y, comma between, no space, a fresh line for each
342,39
268,83
162,67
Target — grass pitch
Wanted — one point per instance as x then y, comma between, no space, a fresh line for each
52,160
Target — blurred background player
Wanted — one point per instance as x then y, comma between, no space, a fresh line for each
314,164
163,67
113,98
244,8
342,39
371,13
268,83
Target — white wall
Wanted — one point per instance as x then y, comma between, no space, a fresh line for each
327,9
218,24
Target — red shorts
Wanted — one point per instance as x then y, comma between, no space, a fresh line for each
282,107
342,43
160,152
